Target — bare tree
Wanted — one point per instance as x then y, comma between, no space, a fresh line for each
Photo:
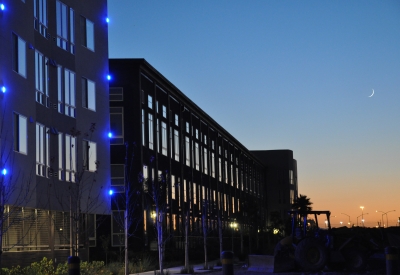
127,205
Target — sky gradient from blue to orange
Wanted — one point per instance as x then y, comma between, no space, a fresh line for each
288,75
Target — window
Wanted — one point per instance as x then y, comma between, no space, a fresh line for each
187,150
65,27
158,135
176,120
197,156
89,155
61,156
164,142
205,164
212,165
197,134
117,174
176,144
184,191
291,180
194,194
40,16
172,187
187,127
151,132
150,101
41,78
87,32
226,172
19,55
219,169
70,158
42,150
117,125
68,100
88,94
143,130
116,94
164,111
20,134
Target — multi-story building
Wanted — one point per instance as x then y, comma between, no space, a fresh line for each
281,176
203,170
54,123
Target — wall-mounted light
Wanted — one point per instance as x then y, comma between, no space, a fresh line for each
110,192
4,171
110,135
108,77
3,89
108,20
2,7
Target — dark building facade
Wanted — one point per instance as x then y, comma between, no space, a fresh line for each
205,171
281,177
54,123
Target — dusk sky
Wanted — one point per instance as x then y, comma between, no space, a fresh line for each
288,75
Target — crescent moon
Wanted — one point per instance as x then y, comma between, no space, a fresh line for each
372,93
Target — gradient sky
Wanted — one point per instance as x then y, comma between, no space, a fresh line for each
288,75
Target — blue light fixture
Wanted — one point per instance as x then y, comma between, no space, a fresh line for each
108,20
110,135
3,89
110,192
4,171
108,77
2,7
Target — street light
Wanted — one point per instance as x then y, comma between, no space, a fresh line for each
234,226
347,216
362,219
385,213
362,213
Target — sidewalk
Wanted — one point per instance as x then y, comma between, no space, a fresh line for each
198,268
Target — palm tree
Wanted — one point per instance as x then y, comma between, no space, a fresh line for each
302,203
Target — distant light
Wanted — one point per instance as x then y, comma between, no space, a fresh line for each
3,89
4,171
108,77
110,192
110,135
108,20
2,7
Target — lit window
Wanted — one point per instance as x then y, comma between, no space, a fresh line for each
194,194
41,78
187,127
90,155
70,158
89,94
184,191
40,16
212,165
151,132
87,31
42,150
20,134
164,111
65,21
197,134
172,187
19,55
116,94
219,169
117,125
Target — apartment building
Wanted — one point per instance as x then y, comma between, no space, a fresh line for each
54,123
160,135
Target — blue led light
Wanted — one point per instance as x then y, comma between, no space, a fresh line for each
110,135
108,20
2,7
110,192
4,171
3,89
108,77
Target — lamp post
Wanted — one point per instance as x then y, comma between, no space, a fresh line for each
347,216
233,226
362,219
362,214
385,213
